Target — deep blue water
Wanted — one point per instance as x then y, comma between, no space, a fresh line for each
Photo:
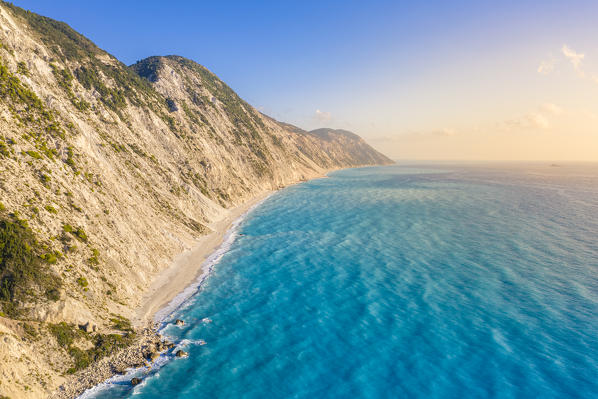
438,281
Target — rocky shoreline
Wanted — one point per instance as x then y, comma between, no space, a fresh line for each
142,352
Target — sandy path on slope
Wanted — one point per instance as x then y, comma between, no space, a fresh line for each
187,266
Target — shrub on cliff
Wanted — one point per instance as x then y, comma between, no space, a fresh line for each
23,275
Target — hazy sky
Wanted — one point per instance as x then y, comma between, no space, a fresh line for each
418,80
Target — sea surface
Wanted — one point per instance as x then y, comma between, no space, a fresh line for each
408,281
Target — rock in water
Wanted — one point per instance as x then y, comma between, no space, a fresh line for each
179,322
181,353
135,381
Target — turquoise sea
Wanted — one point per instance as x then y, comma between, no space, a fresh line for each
408,281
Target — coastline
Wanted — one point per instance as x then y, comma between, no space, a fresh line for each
184,273
188,266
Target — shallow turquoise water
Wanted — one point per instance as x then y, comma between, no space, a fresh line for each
403,281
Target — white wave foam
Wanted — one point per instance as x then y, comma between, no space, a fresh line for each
180,301
118,379
186,342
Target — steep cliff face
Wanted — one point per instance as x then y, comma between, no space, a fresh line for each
106,173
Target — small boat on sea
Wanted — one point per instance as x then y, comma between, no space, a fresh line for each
206,320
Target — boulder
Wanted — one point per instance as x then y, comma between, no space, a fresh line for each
181,353
87,327
135,381
151,354
179,322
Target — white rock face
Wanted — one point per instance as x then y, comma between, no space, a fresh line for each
138,161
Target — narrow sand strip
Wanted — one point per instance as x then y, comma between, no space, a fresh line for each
187,266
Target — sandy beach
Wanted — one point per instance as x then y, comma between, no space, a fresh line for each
188,266
184,271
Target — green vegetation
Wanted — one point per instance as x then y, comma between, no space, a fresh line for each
22,69
34,154
4,150
103,344
78,233
94,259
68,45
121,323
12,88
58,36
64,78
113,98
190,114
28,110
44,178
51,209
22,274
249,127
135,148
82,281
30,330
48,152
52,257
70,161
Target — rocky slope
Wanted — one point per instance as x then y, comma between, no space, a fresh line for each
106,173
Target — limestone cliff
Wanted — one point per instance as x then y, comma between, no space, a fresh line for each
106,173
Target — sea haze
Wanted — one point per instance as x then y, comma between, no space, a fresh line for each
419,281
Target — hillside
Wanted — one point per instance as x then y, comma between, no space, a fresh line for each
107,172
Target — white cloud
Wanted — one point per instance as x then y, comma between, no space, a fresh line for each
552,109
531,120
575,58
538,119
546,67
322,116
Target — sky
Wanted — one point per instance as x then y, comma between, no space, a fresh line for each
421,80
